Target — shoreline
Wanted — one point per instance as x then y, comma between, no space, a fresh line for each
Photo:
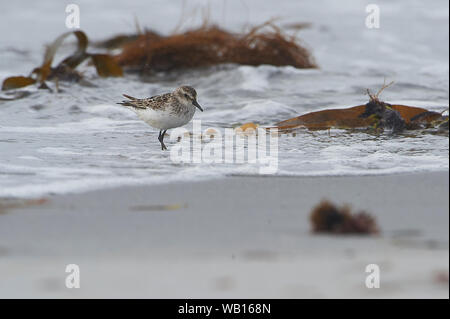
201,179
241,237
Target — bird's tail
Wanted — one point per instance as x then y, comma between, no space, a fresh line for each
129,102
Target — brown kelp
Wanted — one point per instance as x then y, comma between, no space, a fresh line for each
66,69
211,45
376,115
149,51
328,218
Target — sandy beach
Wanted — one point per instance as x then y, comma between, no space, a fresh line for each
238,237
358,92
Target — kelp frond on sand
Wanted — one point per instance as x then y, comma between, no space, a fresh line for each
211,45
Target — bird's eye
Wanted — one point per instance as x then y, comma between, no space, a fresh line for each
187,96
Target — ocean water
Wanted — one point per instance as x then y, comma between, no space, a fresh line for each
79,139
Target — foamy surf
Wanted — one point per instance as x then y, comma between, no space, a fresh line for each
78,139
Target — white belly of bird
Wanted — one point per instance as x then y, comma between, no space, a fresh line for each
165,120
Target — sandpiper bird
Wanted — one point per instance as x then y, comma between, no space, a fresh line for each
165,111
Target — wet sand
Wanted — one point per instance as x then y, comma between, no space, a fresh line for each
236,237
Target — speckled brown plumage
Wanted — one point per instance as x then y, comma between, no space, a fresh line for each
157,102
167,110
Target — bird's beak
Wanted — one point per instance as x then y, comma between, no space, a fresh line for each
197,105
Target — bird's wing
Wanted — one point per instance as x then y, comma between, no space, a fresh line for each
157,102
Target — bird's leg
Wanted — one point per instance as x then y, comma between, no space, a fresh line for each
161,139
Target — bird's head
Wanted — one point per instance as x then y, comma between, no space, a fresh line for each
187,96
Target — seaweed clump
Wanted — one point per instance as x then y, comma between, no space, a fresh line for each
397,118
66,69
328,218
210,45
374,115
383,113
